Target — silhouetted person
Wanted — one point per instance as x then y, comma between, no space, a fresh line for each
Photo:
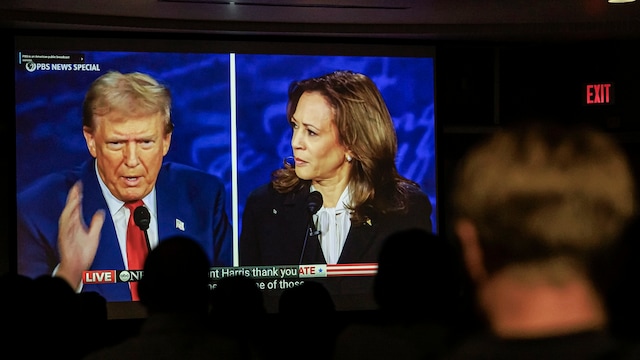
534,207
56,306
17,305
35,311
236,299
305,312
94,319
623,298
175,292
418,289
309,298
237,308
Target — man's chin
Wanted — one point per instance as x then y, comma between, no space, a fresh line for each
128,196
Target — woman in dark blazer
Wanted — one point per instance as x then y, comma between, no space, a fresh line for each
344,151
340,195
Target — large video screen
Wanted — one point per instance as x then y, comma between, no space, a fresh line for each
229,112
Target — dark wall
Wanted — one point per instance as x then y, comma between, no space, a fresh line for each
481,86
7,116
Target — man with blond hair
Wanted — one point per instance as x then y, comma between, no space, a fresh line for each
535,207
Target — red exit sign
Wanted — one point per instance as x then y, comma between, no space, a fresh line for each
599,94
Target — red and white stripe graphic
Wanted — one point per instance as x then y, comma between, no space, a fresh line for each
360,269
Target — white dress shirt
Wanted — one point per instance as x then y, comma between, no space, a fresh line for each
333,224
120,215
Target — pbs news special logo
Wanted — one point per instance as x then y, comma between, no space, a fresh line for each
31,66
55,62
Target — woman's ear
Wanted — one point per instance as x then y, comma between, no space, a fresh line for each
471,251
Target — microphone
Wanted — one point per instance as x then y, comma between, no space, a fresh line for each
142,218
314,203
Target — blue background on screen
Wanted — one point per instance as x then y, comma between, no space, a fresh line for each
49,128
407,85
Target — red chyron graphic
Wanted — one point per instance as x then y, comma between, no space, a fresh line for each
99,277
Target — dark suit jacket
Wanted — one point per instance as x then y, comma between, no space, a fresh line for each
182,193
274,227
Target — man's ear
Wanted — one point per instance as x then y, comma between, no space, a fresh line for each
471,250
166,143
90,140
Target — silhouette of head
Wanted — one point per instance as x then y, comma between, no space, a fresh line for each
417,271
236,304
237,295
306,298
176,277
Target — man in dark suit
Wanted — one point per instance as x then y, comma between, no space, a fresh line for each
127,128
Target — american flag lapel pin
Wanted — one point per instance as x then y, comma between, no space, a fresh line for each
179,224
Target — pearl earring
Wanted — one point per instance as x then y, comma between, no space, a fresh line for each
349,158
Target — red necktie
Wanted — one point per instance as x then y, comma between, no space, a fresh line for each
136,246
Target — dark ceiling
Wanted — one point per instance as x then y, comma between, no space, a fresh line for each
416,19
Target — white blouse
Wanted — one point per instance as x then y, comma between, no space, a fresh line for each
333,224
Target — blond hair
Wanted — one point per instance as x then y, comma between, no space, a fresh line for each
132,94
543,191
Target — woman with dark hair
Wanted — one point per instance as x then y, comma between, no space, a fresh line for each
344,154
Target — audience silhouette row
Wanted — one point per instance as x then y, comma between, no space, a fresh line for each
437,299
425,311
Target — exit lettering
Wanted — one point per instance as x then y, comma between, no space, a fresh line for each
599,93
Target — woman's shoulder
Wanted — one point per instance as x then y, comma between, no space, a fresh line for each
417,202
263,190
269,190
266,195
413,191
